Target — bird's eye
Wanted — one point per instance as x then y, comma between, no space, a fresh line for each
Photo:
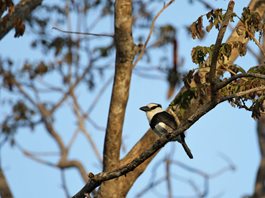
154,107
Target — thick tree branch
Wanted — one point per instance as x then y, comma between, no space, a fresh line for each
22,10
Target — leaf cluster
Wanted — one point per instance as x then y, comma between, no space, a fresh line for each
253,101
199,54
20,116
214,17
252,22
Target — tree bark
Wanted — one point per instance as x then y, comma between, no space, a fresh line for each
259,190
5,191
120,93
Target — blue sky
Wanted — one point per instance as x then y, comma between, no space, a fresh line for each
224,130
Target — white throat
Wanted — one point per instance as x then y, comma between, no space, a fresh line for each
150,114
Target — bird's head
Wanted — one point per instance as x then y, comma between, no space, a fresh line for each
151,109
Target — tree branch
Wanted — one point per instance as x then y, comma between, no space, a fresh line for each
74,164
81,125
241,93
151,31
218,44
45,115
83,33
235,77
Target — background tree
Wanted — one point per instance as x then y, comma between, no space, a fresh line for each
44,94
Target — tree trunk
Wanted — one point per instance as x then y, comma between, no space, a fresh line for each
120,93
5,191
260,176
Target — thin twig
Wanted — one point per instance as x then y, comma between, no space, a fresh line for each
83,33
168,177
151,185
241,93
81,125
64,185
151,31
256,42
72,87
73,138
34,157
235,77
102,90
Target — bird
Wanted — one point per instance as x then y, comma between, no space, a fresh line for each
161,122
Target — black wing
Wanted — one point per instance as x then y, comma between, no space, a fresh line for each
165,118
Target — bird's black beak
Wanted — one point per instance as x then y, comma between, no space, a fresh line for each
144,108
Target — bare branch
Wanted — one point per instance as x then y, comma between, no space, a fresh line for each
45,114
34,157
73,138
74,164
72,87
151,31
45,117
81,125
101,91
151,185
83,33
168,177
64,185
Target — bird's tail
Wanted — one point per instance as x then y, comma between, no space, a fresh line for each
187,149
